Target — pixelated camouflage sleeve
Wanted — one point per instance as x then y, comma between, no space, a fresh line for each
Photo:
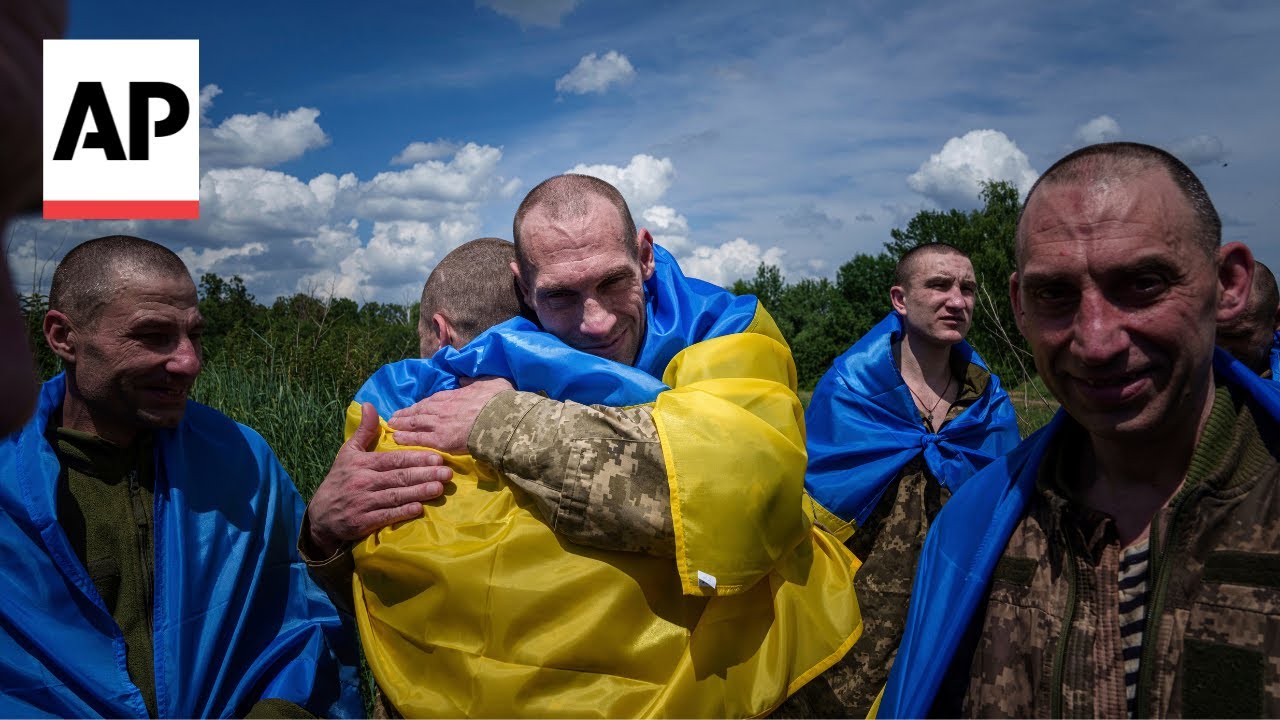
596,473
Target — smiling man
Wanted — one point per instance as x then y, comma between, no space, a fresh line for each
1122,560
898,423
150,538
655,424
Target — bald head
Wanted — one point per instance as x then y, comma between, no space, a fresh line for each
91,275
1248,336
472,289
1107,165
570,197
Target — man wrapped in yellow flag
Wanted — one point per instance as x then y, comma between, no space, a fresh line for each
692,450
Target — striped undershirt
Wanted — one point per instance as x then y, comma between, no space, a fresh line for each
1133,612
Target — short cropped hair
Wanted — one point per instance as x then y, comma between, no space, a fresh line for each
906,266
1105,162
87,279
566,196
1248,335
473,287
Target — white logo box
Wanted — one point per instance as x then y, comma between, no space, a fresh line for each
89,186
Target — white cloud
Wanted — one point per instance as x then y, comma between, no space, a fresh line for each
594,74
729,261
1200,150
642,182
1103,128
541,13
954,176
669,228
259,140
419,151
207,94
433,187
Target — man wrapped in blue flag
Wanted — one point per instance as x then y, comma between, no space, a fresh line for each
1251,336
668,425
1119,562
900,421
150,567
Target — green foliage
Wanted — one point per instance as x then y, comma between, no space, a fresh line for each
302,424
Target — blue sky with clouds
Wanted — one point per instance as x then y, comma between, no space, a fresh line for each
346,148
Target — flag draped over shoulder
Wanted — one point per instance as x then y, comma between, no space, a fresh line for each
864,427
1275,357
969,536
479,609
236,618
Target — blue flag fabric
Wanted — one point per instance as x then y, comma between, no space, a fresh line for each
969,536
1275,357
236,618
863,427
680,311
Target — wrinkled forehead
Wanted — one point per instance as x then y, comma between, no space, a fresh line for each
1143,212
549,238
939,263
136,292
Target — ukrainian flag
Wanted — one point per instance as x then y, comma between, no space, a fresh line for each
479,609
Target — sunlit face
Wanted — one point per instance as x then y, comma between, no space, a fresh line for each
1119,304
936,304
135,366
585,287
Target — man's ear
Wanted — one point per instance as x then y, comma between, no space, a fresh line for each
522,284
1015,300
1235,278
60,335
644,246
898,297
445,331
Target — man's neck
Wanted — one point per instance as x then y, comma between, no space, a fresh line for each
1133,486
925,364
76,415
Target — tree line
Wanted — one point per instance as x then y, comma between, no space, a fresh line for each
332,346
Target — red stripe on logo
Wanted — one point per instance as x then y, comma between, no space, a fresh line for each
121,209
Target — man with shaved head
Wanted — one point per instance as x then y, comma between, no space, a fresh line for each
653,422
1119,561
150,538
899,422
1250,337
469,291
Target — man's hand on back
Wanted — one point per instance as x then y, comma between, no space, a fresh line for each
444,420
366,491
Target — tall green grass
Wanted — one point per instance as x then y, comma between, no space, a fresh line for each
302,424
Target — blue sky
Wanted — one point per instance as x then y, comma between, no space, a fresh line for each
346,148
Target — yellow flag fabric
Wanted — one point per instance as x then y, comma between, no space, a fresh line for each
478,609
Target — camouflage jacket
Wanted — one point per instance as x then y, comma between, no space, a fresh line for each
596,473
1049,639
888,544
